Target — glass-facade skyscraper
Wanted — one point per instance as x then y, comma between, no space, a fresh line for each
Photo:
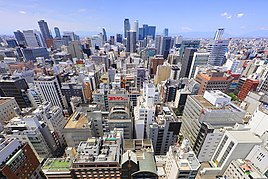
126,27
44,29
57,32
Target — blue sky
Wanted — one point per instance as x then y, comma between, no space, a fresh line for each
238,17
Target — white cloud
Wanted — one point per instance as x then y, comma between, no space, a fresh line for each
240,15
264,28
224,14
186,29
22,12
82,10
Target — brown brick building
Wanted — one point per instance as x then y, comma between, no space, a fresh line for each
213,80
21,163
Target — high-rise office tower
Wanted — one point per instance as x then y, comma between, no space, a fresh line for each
217,49
119,38
187,62
144,112
104,35
44,29
131,41
151,31
75,49
166,32
20,38
33,38
111,41
140,35
233,145
164,130
145,30
126,27
57,32
199,58
40,39
48,88
136,28
18,160
219,34
165,46
33,132
204,117
15,88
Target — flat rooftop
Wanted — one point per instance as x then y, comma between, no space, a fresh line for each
77,120
57,164
206,104
4,100
203,101
245,136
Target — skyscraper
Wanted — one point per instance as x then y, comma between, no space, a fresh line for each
217,49
15,88
165,46
145,30
187,61
219,34
131,41
48,88
57,32
126,27
151,31
136,28
104,35
20,38
119,38
166,32
44,29
30,38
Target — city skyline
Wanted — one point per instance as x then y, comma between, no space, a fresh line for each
199,19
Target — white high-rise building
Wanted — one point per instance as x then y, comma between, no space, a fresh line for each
136,28
259,122
233,145
164,131
259,158
54,119
49,89
217,50
219,34
144,112
199,59
29,130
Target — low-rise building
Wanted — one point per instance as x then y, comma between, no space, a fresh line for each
243,169
181,162
78,128
55,168
7,109
99,157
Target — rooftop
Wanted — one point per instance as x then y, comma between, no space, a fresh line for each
57,164
4,100
244,136
77,120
